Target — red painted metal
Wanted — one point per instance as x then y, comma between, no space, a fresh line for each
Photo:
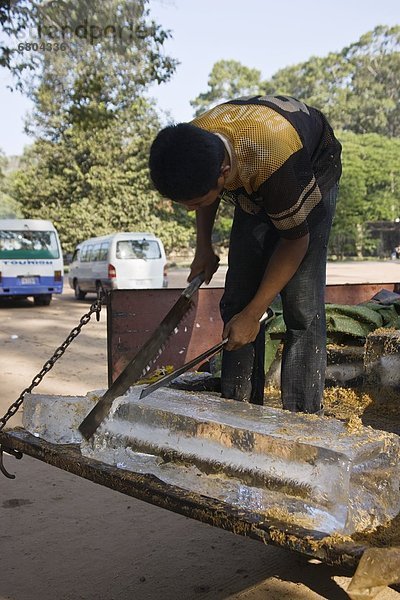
133,315
355,293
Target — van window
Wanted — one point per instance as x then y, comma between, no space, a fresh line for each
103,251
144,249
95,252
76,254
86,253
28,244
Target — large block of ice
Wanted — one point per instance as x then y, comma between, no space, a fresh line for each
382,358
56,418
317,471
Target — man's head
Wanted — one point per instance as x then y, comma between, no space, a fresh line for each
187,164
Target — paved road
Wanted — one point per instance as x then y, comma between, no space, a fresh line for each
337,272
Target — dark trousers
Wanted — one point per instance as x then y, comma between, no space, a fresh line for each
253,240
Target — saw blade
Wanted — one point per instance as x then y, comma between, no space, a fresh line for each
142,361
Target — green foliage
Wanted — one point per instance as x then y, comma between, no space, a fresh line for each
321,82
373,98
228,79
118,30
357,88
369,191
87,169
223,224
9,208
95,182
16,18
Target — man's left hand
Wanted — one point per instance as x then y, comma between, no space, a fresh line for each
240,330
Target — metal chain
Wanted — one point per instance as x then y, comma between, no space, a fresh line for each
48,365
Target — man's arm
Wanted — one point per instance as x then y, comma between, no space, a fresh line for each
286,259
205,258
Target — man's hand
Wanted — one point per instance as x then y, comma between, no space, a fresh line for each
242,329
204,260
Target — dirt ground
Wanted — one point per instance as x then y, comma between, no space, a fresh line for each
65,538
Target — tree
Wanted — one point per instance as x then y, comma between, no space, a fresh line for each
92,180
87,169
320,82
9,207
357,88
373,99
228,79
369,191
120,29
16,17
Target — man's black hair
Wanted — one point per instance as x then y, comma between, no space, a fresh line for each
185,161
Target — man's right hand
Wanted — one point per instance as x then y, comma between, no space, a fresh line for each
204,261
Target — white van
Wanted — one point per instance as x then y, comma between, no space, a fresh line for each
119,261
31,261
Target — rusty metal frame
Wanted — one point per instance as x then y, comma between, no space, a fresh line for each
132,316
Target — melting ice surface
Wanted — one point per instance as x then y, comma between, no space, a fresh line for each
308,470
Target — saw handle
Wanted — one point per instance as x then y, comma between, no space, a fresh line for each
194,285
266,318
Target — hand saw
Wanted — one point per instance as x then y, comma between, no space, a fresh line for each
266,318
141,363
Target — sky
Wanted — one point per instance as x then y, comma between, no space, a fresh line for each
263,34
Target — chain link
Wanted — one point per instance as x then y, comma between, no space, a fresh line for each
48,365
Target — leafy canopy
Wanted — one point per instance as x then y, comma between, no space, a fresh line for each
87,169
357,88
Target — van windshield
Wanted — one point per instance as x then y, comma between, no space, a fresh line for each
144,249
28,244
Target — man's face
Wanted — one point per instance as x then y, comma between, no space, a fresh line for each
211,196
202,201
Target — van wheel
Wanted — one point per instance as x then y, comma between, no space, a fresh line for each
42,300
79,295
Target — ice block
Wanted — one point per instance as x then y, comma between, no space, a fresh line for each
382,358
56,418
317,471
